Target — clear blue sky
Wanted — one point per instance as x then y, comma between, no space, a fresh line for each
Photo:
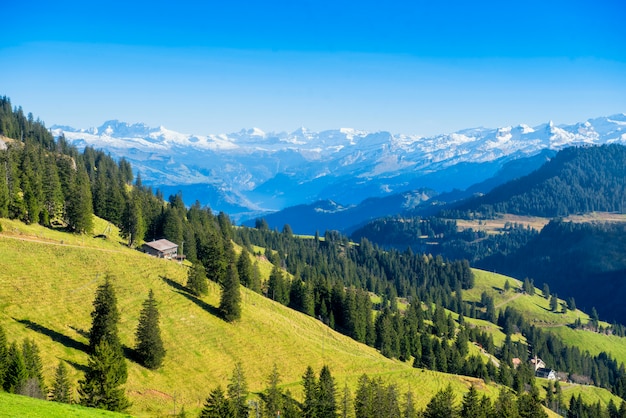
411,67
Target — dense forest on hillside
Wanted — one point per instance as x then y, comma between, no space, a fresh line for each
576,180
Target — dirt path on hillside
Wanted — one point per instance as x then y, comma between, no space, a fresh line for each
508,300
60,244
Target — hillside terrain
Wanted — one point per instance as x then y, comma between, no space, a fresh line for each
561,225
268,332
49,298
269,303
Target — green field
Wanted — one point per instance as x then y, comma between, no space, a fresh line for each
16,406
47,284
536,309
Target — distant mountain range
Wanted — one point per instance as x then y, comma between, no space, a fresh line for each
252,173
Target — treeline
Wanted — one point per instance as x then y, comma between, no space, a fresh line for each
438,236
401,232
373,397
576,180
330,278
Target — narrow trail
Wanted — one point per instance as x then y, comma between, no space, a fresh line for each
60,244
508,300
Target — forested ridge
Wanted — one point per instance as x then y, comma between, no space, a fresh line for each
327,277
576,180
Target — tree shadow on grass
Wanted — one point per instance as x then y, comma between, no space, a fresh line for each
56,336
175,285
182,290
80,331
202,304
80,367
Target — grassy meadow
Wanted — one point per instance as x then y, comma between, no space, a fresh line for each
48,281
22,406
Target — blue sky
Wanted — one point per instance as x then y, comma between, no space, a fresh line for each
410,67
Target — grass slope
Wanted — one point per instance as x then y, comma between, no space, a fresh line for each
47,284
536,309
23,406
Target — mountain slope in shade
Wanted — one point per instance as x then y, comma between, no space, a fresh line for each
257,171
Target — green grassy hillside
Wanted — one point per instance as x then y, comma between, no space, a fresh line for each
536,309
15,406
47,284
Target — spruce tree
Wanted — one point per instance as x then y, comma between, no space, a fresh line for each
133,224
326,394
216,405
105,317
441,405
34,368
470,407
4,190
16,373
230,301
79,205
238,392
244,268
309,384
409,410
4,356
197,280
149,348
102,386
61,388
52,193
273,395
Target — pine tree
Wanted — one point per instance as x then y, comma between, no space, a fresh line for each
238,392
106,373
16,373
61,388
529,405
244,268
409,410
133,224
554,303
4,189
4,355
326,394
441,405
346,406
309,383
273,395
105,317
34,369
52,193
216,405
470,407
197,280
79,205
230,301
149,349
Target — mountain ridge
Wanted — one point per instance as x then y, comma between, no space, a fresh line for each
238,166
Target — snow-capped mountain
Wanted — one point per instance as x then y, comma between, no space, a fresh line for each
251,170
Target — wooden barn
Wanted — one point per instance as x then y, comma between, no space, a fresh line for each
161,248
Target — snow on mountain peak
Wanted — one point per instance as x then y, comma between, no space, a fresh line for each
245,159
